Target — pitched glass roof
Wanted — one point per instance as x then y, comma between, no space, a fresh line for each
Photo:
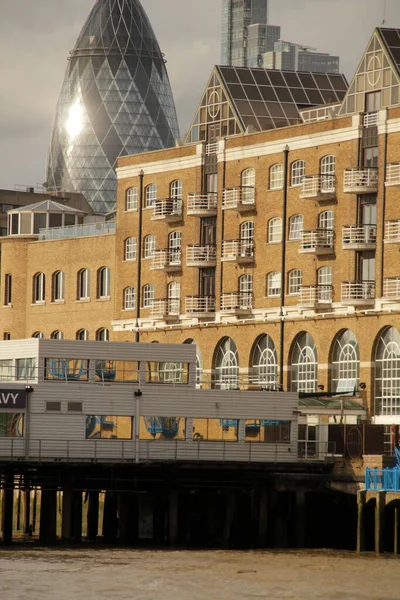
391,37
50,205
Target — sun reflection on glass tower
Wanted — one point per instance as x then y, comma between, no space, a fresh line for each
116,100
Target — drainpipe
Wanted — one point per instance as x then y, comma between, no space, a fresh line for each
283,266
139,255
385,161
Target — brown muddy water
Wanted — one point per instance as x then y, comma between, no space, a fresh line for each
43,574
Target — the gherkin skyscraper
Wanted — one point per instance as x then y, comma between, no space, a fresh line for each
116,99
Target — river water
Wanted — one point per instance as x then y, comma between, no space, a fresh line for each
43,574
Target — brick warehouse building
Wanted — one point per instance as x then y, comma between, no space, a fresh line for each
292,173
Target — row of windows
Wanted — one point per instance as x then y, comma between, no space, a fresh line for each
248,176
102,335
151,194
103,286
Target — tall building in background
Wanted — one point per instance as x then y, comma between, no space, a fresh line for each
116,100
248,40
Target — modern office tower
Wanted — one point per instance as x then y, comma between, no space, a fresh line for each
116,100
287,56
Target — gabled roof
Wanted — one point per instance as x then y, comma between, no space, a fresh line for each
391,40
48,205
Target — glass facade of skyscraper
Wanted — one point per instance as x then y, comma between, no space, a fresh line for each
237,17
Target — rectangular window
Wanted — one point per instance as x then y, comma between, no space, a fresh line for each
162,428
269,432
7,290
119,371
25,369
168,372
7,370
215,430
66,369
53,406
74,406
11,425
100,427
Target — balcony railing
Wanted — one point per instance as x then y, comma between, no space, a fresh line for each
392,231
197,305
371,119
212,148
241,251
168,209
382,480
202,204
359,237
393,174
358,292
314,295
391,287
165,307
201,256
167,260
236,302
239,198
319,241
77,231
318,187
360,181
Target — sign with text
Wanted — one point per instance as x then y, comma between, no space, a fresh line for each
12,398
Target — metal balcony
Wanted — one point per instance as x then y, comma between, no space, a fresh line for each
319,242
315,296
212,148
318,187
165,309
360,181
391,288
392,232
393,174
167,260
238,303
358,293
359,237
201,256
240,251
371,119
202,205
200,306
167,209
242,199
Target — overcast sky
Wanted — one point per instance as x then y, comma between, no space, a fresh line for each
36,36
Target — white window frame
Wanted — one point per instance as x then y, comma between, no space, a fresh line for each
275,230
148,295
387,373
8,289
326,220
175,246
297,173
103,335
295,281
39,283
264,362
129,298
104,283
57,335
176,189
296,227
149,246
82,334
276,177
58,286
83,284
345,360
226,365
325,276
132,198
130,249
274,284
247,237
150,195
304,364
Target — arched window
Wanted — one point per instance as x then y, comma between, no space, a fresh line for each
199,363
38,334
328,169
226,361
149,246
264,362
275,230
387,373
304,364
345,363
150,195
295,281
82,334
57,335
103,335
246,291
175,190
103,283
175,247
296,227
324,276
247,238
326,220
276,176
58,283
174,298
83,288
148,295
132,196
248,182
274,284
130,248
39,288
297,173
129,302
